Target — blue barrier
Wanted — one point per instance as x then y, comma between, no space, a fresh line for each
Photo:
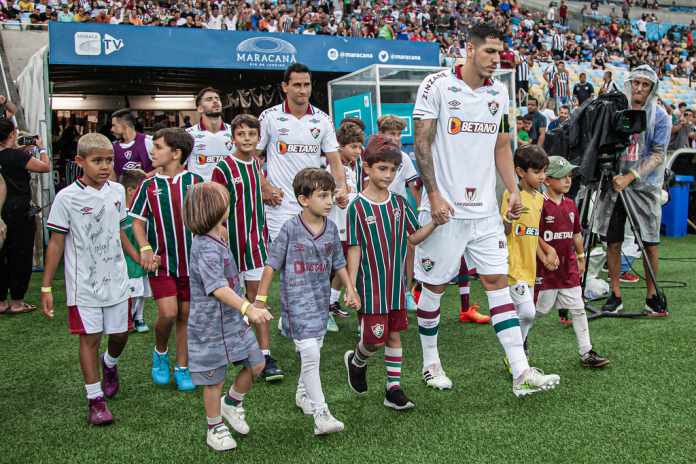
169,47
676,212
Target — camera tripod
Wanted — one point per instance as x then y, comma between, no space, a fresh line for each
599,188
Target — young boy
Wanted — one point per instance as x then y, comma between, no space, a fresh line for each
523,232
522,135
391,127
241,175
350,138
85,222
137,277
380,224
158,204
562,259
306,251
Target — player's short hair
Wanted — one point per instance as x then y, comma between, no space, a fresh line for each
349,132
310,180
89,143
532,99
528,117
482,31
176,138
565,107
531,156
131,178
381,149
354,120
295,68
248,120
199,95
126,116
390,123
205,206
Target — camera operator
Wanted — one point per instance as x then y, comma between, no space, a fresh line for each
16,164
641,173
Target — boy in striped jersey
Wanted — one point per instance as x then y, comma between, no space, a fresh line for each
86,222
158,205
241,175
380,224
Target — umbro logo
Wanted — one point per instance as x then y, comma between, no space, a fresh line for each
86,210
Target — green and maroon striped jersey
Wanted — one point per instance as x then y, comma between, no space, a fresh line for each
246,224
381,231
159,201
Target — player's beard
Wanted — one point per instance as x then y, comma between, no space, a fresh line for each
213,114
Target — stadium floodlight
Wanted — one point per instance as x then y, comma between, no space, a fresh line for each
67,99
174,98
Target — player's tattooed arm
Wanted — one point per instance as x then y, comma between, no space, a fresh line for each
424,134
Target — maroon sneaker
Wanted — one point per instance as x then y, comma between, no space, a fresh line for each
98,413
110,379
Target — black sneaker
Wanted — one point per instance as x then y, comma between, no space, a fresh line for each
337,311
654,308
397,399
272,373
593,360
613,304
357,376
563,317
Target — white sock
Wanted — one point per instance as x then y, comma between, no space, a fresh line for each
335,295
507,328
212,421
582,330
109,361
524,305
428,323
464,290
164,352
266,352
94,390
309,371
137,307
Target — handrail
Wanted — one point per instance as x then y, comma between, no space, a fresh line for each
23,26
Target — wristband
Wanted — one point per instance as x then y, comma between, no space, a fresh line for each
505,219
145,248
262,298
635,173
46,289
580,255
245,307
43,151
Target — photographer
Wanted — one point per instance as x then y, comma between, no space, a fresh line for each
641,175
16,164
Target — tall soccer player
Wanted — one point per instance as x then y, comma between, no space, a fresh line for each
212,137
132,149
461,138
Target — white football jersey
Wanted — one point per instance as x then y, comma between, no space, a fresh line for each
468,123
340,215
95,267
208,149
291,145
405,174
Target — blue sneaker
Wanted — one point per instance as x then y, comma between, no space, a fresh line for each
410,302
160,368
182,378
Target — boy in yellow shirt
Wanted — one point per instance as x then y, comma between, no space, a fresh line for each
523,233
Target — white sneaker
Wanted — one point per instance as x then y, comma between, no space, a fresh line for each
235,416
219,438
303,402
434,376
280,325
331,325
325,423
534,380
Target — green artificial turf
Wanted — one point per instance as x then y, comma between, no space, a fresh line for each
640,409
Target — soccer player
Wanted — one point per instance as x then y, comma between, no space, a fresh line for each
85,221
306,251
461,137
131,149
158,205
242,175
218,335
562,258
137,277
294,134
212,137
380,224
523,232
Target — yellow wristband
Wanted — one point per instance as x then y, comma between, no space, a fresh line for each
506,219
46,289
262,298
245,307
580,255
145,248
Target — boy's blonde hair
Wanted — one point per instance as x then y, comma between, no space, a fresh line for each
91,142
390,123
205,206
